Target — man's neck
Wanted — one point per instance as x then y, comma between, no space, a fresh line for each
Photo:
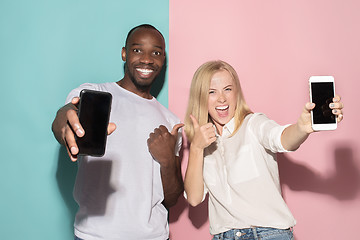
128,85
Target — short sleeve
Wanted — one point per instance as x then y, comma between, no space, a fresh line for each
76,92
178,143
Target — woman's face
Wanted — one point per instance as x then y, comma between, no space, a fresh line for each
222,99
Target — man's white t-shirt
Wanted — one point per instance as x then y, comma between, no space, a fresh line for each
120,194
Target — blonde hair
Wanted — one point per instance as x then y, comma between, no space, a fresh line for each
199,93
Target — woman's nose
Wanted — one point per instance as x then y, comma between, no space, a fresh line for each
221,98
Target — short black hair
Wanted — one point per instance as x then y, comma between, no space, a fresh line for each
141,26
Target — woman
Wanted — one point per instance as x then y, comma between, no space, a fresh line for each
233,157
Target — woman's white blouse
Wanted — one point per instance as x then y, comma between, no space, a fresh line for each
242,179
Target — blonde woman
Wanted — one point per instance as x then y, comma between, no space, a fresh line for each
233,157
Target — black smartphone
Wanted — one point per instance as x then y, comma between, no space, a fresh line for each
94,113
322,92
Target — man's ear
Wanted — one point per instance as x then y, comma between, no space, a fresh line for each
123,54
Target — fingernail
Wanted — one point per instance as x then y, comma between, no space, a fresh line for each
332,105
73,150
334,111
79,132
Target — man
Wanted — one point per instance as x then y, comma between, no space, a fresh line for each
125,194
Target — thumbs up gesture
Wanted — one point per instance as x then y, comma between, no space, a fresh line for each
161,143
203,135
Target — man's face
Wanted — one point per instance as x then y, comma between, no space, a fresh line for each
144,56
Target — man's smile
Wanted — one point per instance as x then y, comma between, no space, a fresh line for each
144,72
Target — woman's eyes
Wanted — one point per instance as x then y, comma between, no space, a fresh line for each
226,89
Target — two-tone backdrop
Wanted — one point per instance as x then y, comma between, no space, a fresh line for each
49,47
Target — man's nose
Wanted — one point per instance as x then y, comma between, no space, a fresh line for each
146,58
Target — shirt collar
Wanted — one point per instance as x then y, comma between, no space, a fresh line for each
228,128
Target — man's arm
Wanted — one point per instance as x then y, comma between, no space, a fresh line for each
65,124
172,181
161,145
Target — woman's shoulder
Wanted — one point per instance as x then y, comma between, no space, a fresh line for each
256,116
255,120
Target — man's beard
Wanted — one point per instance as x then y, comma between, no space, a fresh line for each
142,87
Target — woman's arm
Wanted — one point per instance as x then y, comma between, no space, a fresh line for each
194,182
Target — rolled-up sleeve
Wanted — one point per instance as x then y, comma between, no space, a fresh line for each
268,132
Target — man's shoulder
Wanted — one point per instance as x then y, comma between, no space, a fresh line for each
95,86
91,86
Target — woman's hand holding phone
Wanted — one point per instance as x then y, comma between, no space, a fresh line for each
322,93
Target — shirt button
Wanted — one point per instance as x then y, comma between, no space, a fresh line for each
238,234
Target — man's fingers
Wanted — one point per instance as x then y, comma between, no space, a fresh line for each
176,128
73,158
111,128
75,100
194,121
75,123
70,141
160,130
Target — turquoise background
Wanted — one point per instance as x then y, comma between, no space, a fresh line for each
48,48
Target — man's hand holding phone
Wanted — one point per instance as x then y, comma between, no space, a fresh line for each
73,126
67,124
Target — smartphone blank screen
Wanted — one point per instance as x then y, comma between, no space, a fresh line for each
94,111
322,95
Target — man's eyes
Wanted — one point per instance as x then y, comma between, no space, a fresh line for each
155,53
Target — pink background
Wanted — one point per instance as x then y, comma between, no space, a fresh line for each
275,46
